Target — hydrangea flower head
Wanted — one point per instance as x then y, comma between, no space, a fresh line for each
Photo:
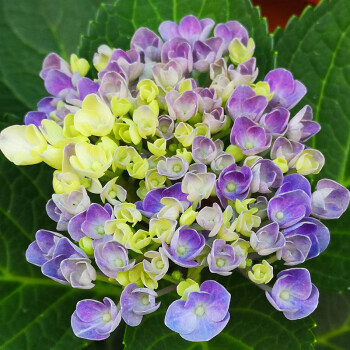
159,174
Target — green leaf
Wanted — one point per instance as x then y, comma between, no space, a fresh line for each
29,30
316,49
115,24
254,324
34,311
333,322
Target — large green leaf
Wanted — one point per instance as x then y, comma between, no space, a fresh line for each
29,30
115,24
34,311
316,49
333,322
254,324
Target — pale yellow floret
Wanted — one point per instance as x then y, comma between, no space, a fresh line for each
240,53
158,147
261,273
90,160
94,118
22,144
80,65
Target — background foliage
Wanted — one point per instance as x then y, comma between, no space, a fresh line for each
35,312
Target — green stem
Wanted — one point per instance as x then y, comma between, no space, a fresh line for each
166,290
272,259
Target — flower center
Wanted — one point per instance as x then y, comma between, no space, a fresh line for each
100,230
96,165
199,311
181,250
155,183
144,300
230,187
164,129
112,194
106,317
248,145
279,215
220,262
177,168
118,262
285,295
159,265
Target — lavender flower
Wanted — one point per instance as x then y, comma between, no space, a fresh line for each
287,91
61,260
147,43
301,127
296,249
249,136
216,119
173,168
265,175
189,28
221,161
226,200
245,102
289,208
288,150
222,258
330,200
267,239
203,315
295,182
203,150
62,207
179,50
166,127
111,257
233,183
136,302
185,246
245,73
276,121
317,233
206,52
182,106
294,294
94,320
211,219
230,30
90,222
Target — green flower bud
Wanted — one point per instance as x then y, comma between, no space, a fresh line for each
184,154
263,88
138,169
240,53
236,152
185,134
282,164
188,217
154,180
85,244
158,147
120,106
311,161
261,273
148,90
80,65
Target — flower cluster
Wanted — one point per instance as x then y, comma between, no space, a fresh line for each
190,176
